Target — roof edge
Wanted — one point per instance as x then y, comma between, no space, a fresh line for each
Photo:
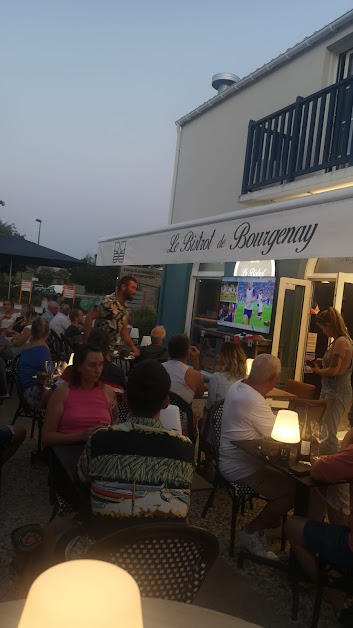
314,39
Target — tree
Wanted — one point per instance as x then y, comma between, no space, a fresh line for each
46,275
96,279
7,228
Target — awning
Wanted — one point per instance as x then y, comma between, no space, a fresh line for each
16,249
319,225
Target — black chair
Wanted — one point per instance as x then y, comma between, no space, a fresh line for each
238,492
186,415
59,347
25,410
168,560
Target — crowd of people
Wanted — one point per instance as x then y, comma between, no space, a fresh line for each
136,469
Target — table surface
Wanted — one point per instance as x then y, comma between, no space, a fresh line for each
156,614
258,449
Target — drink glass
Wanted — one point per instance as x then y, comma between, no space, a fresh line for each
61,366
320,433
50,370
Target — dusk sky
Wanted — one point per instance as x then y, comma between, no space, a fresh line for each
90,91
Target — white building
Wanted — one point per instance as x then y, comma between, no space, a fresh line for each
270,153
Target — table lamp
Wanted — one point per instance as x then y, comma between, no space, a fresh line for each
134,334
286,431
83,594
249,362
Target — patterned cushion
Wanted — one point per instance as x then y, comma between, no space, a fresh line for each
241,490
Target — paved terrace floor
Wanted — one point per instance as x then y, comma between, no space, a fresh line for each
257,594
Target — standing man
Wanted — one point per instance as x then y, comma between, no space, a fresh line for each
111,313
52,310
248,304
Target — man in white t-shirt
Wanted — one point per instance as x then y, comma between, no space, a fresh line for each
247,416
60,322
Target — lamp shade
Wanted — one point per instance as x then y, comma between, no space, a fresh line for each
249,362
134,333
83,594
286,427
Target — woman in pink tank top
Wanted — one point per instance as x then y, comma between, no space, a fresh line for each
77,409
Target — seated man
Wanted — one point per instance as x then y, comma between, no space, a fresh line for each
154,351
137,470
60,322
73,333
247,416
9,315
51,311
332,542
186,381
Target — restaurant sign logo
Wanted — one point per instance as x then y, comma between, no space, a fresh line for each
119,252
244,237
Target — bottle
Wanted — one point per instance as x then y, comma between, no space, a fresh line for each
305,440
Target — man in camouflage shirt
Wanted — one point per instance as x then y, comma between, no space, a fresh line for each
111,313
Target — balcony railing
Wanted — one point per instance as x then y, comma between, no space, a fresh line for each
314,133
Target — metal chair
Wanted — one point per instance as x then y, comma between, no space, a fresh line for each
238,492
186,415
168,561
25,410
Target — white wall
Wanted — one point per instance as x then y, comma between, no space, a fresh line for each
212,147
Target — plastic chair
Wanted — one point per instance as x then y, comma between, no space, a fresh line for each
186,415
25,410
238,492
168,561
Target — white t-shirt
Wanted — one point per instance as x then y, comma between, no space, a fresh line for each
246,416
249,299
178,386
59,323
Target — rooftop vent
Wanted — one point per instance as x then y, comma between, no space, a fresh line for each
223,80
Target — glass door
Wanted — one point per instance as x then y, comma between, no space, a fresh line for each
291,326
343,299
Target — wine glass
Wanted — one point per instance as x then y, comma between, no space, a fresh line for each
50,370
61,366
320,433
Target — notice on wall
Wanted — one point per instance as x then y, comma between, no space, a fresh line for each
310,351
25,286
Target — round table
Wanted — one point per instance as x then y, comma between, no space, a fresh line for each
156,614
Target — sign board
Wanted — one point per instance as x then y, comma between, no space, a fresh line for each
302,228
146,276
69,292
25,286
255,268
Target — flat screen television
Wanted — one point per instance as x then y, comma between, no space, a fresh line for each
246,303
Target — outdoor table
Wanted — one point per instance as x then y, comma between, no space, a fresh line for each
156,614
303,483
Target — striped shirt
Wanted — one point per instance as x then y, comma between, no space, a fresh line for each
138,470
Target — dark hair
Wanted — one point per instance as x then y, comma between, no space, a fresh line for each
99,338
74,314
80,356
148,386
178,347
124,281
40,328
9,301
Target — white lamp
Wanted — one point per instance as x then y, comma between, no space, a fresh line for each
146,341
83,594
134,334
249,362
286,427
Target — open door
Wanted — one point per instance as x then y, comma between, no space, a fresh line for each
343,298
291,326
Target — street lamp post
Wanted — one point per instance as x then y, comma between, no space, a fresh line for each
40,225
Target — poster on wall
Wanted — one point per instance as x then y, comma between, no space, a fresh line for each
310,351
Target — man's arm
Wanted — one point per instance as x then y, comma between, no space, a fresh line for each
90,317
125,336
334,468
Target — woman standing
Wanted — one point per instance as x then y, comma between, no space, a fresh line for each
336,371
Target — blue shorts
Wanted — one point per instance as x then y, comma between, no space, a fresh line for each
329,541
248,313
6,436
